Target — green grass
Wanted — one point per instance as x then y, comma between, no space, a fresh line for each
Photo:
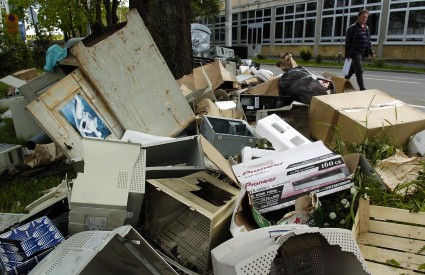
368,64
16,195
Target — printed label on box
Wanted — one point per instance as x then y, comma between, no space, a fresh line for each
276,181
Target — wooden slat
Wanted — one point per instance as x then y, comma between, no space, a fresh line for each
401,215
379,269
400,230
391,242
406,260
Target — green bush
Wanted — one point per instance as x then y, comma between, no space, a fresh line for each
305,54
260,56
378,63
14,54
319,59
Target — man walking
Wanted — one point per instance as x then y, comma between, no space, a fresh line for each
357,46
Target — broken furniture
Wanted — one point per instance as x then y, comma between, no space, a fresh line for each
113,90
392,240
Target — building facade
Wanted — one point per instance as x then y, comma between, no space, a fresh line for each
271,27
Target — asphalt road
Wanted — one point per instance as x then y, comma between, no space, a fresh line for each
407,87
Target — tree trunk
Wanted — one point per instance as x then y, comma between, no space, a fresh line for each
168,22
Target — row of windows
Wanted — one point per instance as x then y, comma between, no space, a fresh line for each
296,23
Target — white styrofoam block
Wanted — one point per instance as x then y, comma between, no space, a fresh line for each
243,69
254,71
417,144
281,135
265,73
249,153
261,77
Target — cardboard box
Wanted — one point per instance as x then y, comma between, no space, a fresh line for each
290,249
341,84
274,182
21,248
244,220
270,88
211,75
26,75
352,117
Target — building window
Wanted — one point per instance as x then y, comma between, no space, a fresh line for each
339,14
295,23
406,22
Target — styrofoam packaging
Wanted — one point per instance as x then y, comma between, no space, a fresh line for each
281,135
249,153
417,144
290,249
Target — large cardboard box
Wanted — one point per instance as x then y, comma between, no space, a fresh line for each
352,117
244,219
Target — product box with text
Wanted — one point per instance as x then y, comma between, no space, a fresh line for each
274,182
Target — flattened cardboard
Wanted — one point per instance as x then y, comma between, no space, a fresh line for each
351,117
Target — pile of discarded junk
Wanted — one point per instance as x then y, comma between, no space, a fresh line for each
219,172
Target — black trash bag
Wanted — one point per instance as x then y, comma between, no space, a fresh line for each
301,84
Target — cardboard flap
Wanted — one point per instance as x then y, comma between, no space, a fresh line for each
266,88
217,158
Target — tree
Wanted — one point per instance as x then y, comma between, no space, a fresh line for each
70,16
14,54
168,22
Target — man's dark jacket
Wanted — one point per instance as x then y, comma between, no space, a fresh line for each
350,40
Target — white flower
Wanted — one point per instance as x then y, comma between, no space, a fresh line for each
365,196
347,205
353,190
326,224
342,222
332,215
344,201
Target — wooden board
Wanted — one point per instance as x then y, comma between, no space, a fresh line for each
131,76
389,235
46,110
